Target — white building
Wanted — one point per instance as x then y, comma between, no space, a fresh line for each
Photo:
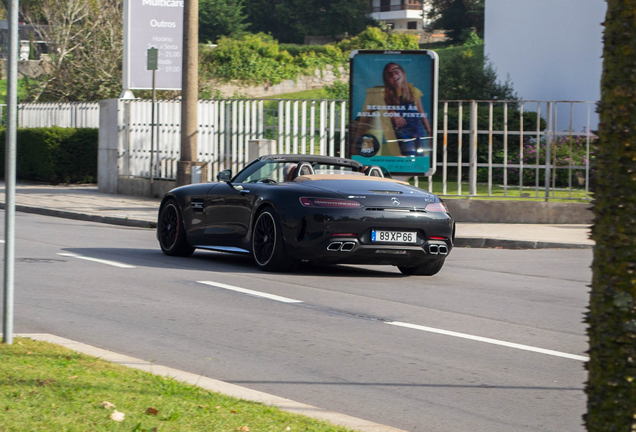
550,49
401,14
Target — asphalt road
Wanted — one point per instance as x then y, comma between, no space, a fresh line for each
494,342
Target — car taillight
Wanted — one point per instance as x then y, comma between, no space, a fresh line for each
437,207
329,202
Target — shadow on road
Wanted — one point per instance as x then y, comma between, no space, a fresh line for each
224,263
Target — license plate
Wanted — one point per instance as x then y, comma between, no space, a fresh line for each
393,236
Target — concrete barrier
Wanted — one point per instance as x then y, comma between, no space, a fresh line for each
527,212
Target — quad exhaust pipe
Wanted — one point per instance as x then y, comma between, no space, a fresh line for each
436,249
433,249
341,246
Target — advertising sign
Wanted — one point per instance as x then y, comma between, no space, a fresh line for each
393,110
153,24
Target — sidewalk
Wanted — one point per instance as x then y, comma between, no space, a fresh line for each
87,203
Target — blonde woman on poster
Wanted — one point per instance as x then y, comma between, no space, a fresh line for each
404,107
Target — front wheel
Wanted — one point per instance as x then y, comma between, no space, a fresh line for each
428,269
171,231
268,249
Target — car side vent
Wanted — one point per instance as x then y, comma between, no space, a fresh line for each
387,192
197,205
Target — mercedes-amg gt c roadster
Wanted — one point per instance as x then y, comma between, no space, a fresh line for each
284,209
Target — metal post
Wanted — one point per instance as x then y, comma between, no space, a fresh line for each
490,121
10,174
460,133
505,143
472,170
445,152
152,130
521,150
548,147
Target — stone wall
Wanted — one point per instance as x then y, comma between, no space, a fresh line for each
317,80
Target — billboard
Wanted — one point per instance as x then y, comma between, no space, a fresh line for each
393,110
153,24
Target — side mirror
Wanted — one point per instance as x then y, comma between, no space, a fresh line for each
224,176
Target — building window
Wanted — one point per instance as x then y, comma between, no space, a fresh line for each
385,5
389,26
411,25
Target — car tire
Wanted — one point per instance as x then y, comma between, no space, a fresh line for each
171,231
428,269
268,248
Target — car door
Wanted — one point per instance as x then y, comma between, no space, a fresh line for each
228,213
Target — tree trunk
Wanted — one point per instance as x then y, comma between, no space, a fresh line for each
611,386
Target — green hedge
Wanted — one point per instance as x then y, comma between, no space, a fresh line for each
54,155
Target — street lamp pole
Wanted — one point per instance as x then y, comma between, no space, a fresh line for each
10,173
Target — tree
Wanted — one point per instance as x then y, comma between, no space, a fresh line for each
467,74
459,17
221,18
611,385
86,48
289,21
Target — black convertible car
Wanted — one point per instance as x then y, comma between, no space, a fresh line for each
283,209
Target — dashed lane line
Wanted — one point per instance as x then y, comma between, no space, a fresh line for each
101,261
414,326
489,341
250,292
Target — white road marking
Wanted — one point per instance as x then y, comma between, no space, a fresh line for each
1,241
250,292
490,341
111,263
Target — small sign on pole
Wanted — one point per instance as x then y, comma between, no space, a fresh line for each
153,59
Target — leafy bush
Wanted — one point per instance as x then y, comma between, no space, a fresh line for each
374,38
337,90
565,152
260,59
55,155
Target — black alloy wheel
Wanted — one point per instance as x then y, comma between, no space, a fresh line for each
171,232
267,243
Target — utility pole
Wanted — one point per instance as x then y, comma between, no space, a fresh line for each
189,92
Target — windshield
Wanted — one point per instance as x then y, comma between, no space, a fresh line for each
264,171
270,171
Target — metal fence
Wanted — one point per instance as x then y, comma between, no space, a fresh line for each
62,114
485,148
225,128
533,154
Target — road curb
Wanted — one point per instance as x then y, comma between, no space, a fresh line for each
138,223
216,385
478,242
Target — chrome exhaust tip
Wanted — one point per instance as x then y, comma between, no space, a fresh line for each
334,247
433,249
443,250
347,246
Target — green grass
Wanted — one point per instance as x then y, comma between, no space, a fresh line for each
306,94
45,387
3,91
498,192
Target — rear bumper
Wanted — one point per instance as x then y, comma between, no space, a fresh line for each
342,239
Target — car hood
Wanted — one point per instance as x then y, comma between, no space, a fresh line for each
381,193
